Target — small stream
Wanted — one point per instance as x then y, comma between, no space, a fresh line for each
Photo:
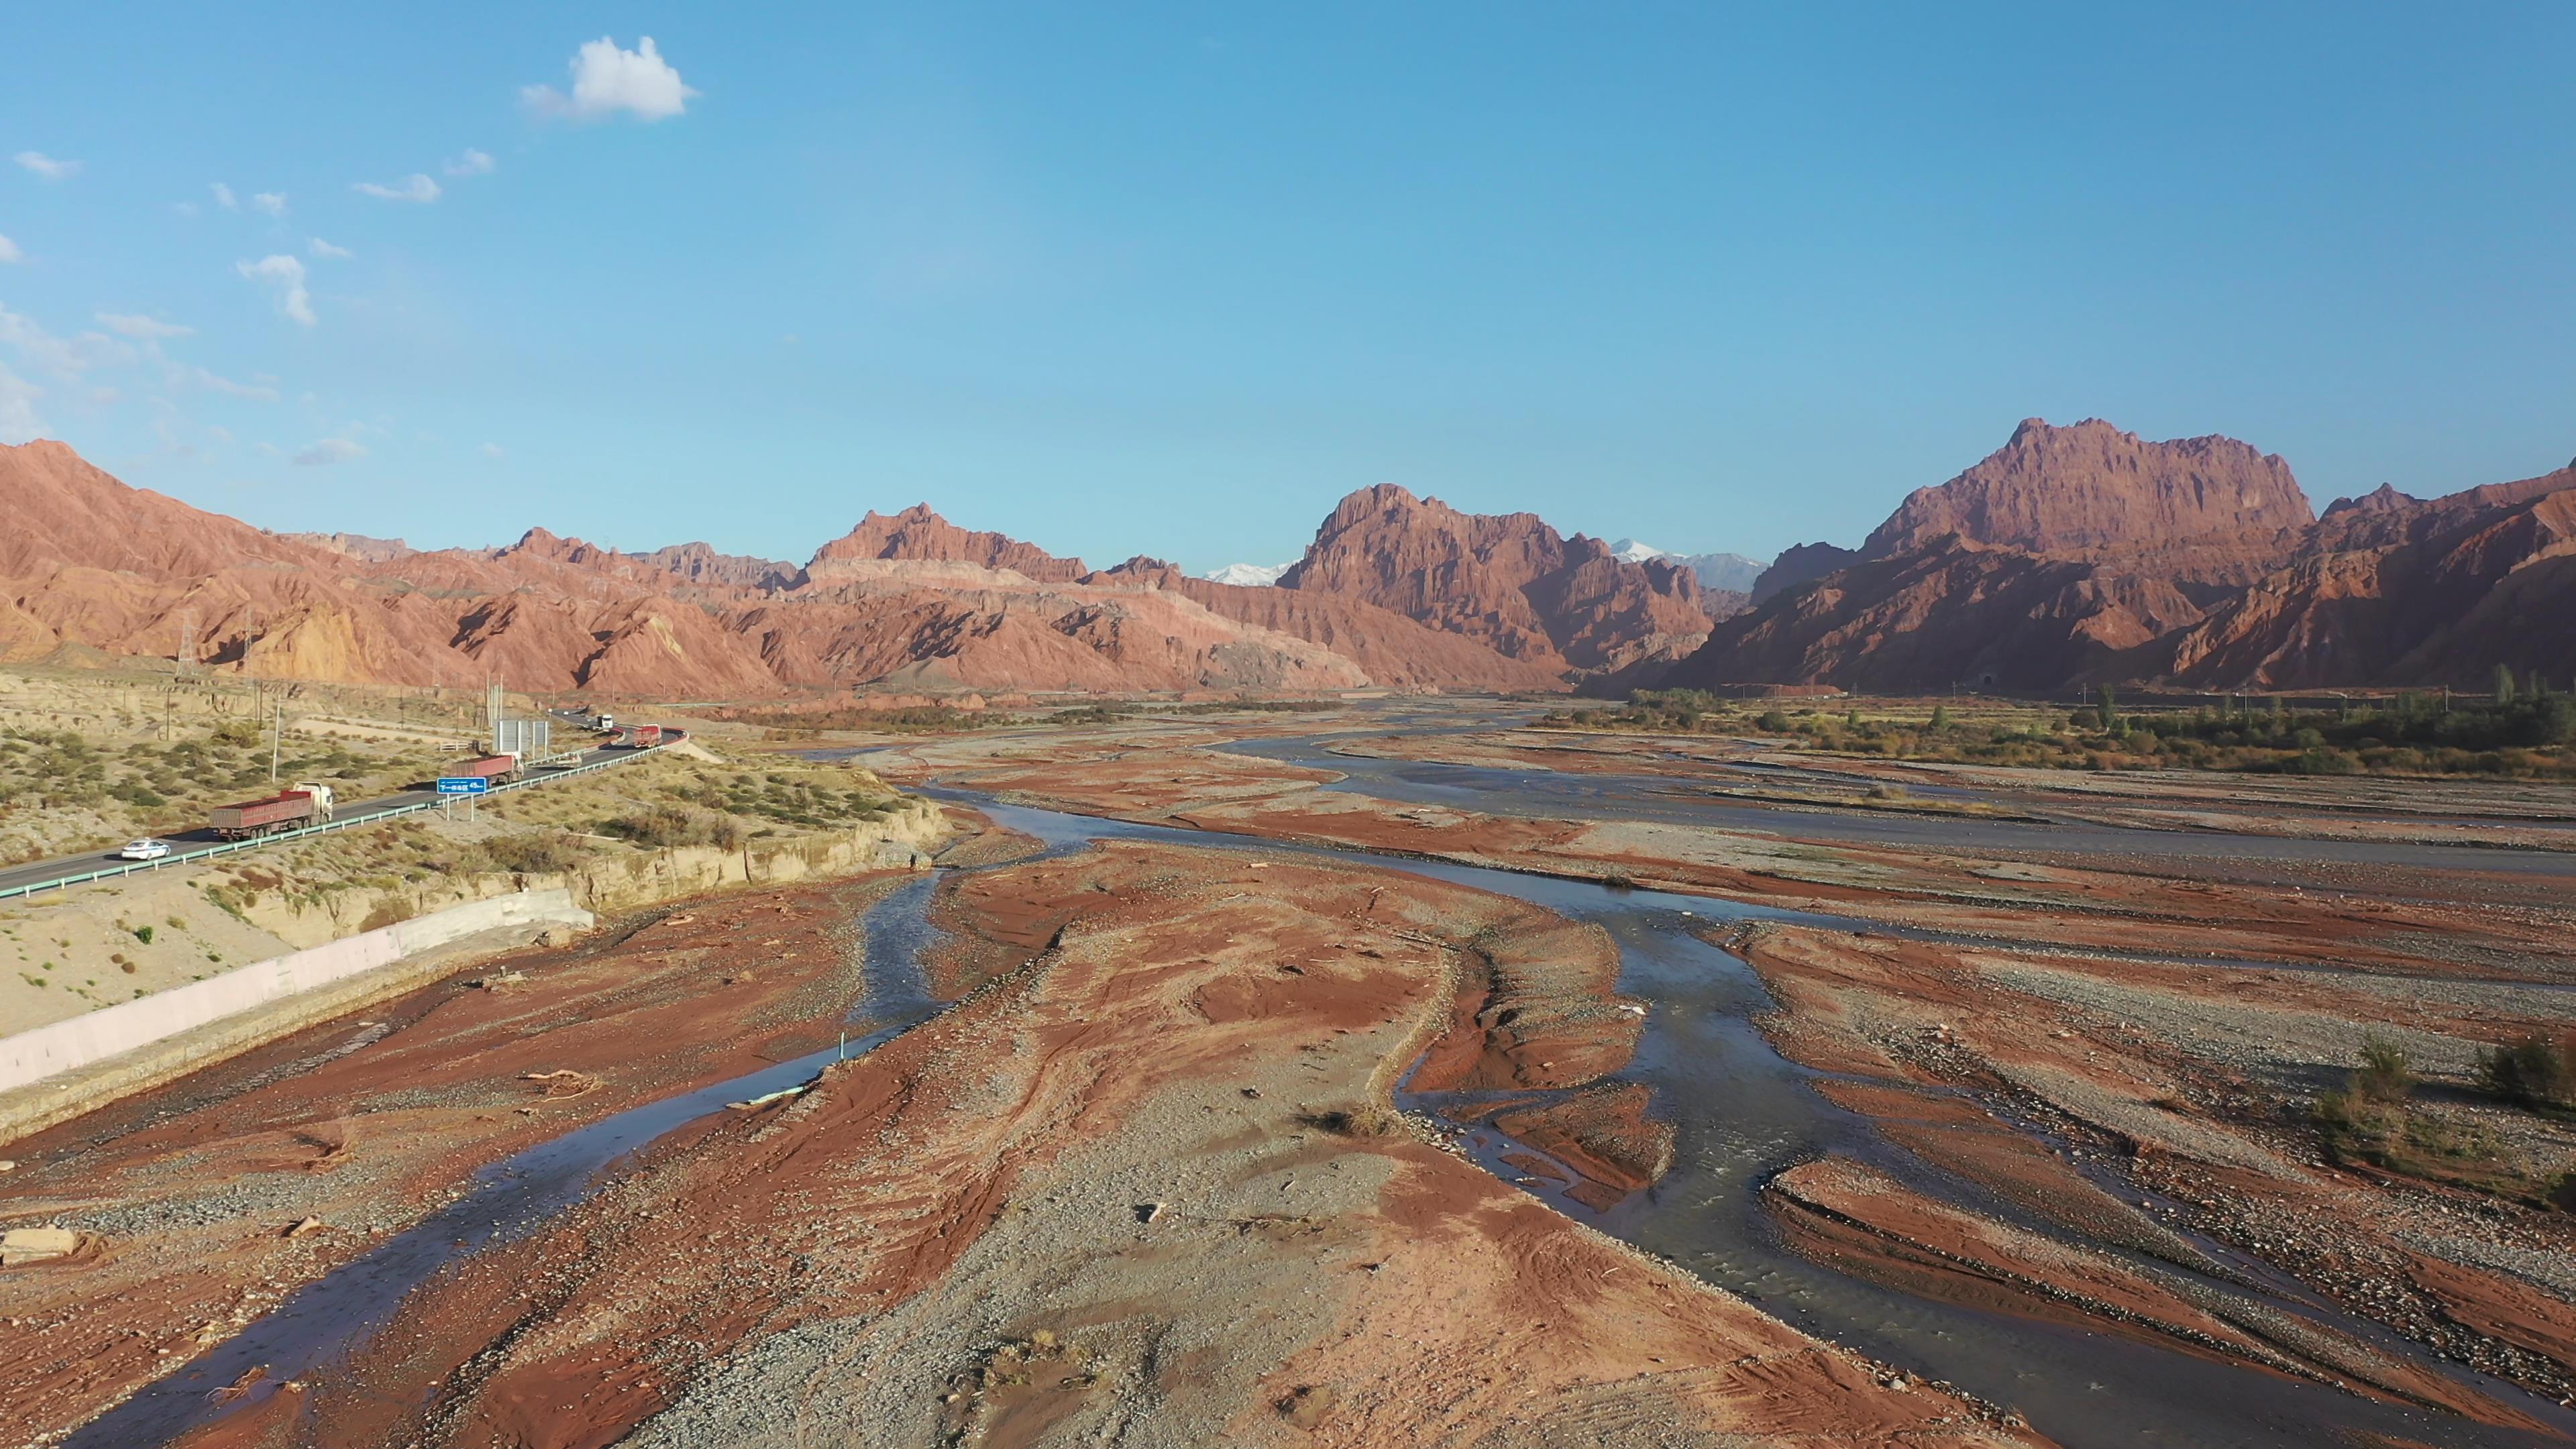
1742,1113
336,1314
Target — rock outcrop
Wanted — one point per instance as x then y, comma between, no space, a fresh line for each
2051,490
920,535
2083,554
1506,580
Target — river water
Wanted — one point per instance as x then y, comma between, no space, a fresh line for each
1741,1112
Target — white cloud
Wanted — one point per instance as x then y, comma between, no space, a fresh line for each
268,450
328,252
18,420
65,357
286,275
490,450
9,252
416,187
140,327
472,163
606,80
220,435
216,382
271,202
46,166
330,450
184,208
224,196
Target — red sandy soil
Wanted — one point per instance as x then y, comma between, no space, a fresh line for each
2011,1090
2103,906
1865,1222
2202,1120
1604,1135
368,1128
1147,1179
2497,813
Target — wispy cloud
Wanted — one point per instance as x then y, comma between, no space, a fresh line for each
224,196
472,163
328,252
490,450
64,357
271,202
415,187
285,276
183,372
140,327
329,450
46,166
18,420
607,80
9,252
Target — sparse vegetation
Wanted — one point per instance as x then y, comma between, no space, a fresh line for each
670,825
2528,732
538,852
2534,1072
2374,1120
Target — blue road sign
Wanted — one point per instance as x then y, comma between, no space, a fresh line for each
464,785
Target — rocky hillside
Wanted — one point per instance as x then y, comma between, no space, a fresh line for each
2083,554
907,600
2049,490
1506,580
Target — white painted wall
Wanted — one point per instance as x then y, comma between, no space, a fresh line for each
31,1056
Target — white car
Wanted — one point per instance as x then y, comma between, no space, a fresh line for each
144,850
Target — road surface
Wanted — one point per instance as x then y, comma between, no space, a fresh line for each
46,872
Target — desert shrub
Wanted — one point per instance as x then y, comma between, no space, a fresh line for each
673,825
2385,1075
548,852
2533,1072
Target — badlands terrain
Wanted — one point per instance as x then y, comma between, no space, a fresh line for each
1399,1074
2070,557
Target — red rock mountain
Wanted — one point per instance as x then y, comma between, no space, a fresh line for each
2092,486
2083,554
908,601
1506,580
919,535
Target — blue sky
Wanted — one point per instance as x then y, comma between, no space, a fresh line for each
1172,279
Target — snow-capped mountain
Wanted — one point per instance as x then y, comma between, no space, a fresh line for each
1249,575
1731,571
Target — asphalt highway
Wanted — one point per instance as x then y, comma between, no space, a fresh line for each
46,872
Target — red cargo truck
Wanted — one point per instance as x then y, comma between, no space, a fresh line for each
287,810
499,769
642,737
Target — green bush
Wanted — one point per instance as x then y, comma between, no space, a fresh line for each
2533,1072
2384,1075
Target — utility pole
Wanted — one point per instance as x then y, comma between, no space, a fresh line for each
276,734
185,663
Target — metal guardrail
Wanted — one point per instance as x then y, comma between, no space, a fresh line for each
262,842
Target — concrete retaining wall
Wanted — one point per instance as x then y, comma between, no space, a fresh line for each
62,1046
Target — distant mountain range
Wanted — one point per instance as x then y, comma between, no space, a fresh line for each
2071,555
1732,572
1249,576
2084,554
90,567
